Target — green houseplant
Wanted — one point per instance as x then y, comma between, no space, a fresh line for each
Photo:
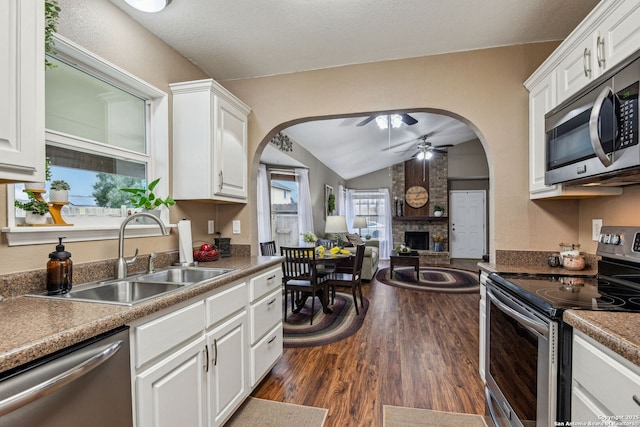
438,210
145,198
35,210
51,14
59,191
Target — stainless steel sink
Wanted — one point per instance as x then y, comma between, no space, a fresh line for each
139,288
124,292
184,274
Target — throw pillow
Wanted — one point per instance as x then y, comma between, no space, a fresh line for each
355,239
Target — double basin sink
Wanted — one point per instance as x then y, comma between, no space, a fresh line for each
141,287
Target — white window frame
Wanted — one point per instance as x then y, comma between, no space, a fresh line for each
157,152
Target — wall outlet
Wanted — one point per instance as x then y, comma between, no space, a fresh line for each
236,226
210,228
596,225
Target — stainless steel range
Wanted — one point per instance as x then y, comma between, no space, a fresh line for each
528,346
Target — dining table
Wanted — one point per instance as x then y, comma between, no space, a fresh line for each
325,265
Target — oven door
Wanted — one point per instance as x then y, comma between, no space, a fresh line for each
521,365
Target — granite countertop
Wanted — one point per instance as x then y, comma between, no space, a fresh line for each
617,331
534,269
32,327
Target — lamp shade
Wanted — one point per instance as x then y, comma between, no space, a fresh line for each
336,224
360,222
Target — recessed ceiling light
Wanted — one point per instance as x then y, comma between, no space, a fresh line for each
148,5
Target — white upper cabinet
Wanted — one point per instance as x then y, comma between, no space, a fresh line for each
608,35
22,147
210,159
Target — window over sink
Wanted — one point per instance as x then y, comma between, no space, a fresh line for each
105,130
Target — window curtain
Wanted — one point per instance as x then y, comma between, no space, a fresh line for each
341,200
348,211
305,210
264,206
386,243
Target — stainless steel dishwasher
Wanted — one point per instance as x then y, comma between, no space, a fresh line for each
87,384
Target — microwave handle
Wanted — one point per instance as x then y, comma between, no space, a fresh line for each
593,127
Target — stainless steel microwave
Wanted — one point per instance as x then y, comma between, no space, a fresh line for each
592,138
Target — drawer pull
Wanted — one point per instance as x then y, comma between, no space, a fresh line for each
636,399
272,301
271,277
274,338
215,352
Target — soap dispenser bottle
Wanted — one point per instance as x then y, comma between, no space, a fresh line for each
59,270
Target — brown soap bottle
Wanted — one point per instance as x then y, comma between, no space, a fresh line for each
59,270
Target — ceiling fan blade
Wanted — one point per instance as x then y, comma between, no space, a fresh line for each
365,121
408,119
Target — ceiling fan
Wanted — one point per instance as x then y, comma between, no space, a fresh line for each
389,120
426,151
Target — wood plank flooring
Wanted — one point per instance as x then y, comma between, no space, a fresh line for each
415,349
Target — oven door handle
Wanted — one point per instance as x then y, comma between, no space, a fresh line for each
517,313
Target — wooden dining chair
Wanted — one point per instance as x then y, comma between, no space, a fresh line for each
300,278
348,277
268,248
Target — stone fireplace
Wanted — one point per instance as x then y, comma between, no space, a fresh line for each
417,240
422,221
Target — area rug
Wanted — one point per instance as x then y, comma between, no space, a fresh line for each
268,413
327,328
396,416
438,279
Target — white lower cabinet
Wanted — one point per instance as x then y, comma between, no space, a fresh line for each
194,365
482,330
605,387
172,392
227,382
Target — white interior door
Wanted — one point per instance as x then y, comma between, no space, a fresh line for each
467,223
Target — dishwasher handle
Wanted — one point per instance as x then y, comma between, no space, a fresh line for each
38,391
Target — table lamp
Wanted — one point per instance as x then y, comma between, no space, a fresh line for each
336,224
360,222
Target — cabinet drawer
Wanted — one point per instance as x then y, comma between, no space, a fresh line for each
265,283
265,354
157,336
226,302
265,314
605,377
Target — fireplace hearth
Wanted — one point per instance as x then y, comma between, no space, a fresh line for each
417,240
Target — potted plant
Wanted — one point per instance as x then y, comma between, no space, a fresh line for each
144,198
35,210
438,210
309,238
59,191
437,242
40,185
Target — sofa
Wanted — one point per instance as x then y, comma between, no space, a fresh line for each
371,253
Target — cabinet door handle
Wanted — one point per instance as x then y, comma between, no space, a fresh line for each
271,302
600,51
274,338
215,352
586,63
206,357
221,180
271,277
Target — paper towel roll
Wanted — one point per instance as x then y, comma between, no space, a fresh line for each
186,244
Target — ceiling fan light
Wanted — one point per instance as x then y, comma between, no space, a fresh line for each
396,120
420,155
382,122
148,5
428,155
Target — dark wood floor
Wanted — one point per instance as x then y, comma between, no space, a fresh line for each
415,349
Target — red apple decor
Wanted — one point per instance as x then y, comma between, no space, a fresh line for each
206,253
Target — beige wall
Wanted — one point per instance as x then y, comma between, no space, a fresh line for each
483,88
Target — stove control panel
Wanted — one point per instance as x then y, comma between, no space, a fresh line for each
620,243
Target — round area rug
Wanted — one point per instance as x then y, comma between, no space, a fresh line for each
438,279
326,328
